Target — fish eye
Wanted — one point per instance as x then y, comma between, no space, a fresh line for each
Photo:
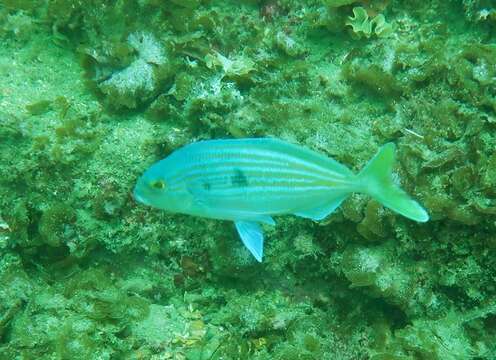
158,184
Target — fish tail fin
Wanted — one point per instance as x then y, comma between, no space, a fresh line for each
376,180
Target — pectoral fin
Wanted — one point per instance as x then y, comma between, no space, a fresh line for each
252,236
322,211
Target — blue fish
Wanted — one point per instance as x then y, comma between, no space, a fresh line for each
250,180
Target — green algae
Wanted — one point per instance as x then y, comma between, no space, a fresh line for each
362,25
92,94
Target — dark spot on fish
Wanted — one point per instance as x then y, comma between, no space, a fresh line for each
206,186
239,179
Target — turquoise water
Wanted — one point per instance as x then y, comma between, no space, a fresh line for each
94,92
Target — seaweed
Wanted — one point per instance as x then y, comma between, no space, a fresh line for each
93,93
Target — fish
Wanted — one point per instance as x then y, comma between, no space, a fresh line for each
250,180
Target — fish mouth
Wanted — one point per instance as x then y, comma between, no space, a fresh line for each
139,198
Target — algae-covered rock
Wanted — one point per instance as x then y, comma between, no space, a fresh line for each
338,3
141,79
374,79
161,327
57,224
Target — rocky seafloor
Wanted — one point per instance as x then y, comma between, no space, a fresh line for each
93,92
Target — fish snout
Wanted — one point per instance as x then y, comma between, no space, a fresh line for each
139,197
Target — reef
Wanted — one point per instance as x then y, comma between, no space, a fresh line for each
94,92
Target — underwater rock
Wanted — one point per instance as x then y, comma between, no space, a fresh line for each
140,81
